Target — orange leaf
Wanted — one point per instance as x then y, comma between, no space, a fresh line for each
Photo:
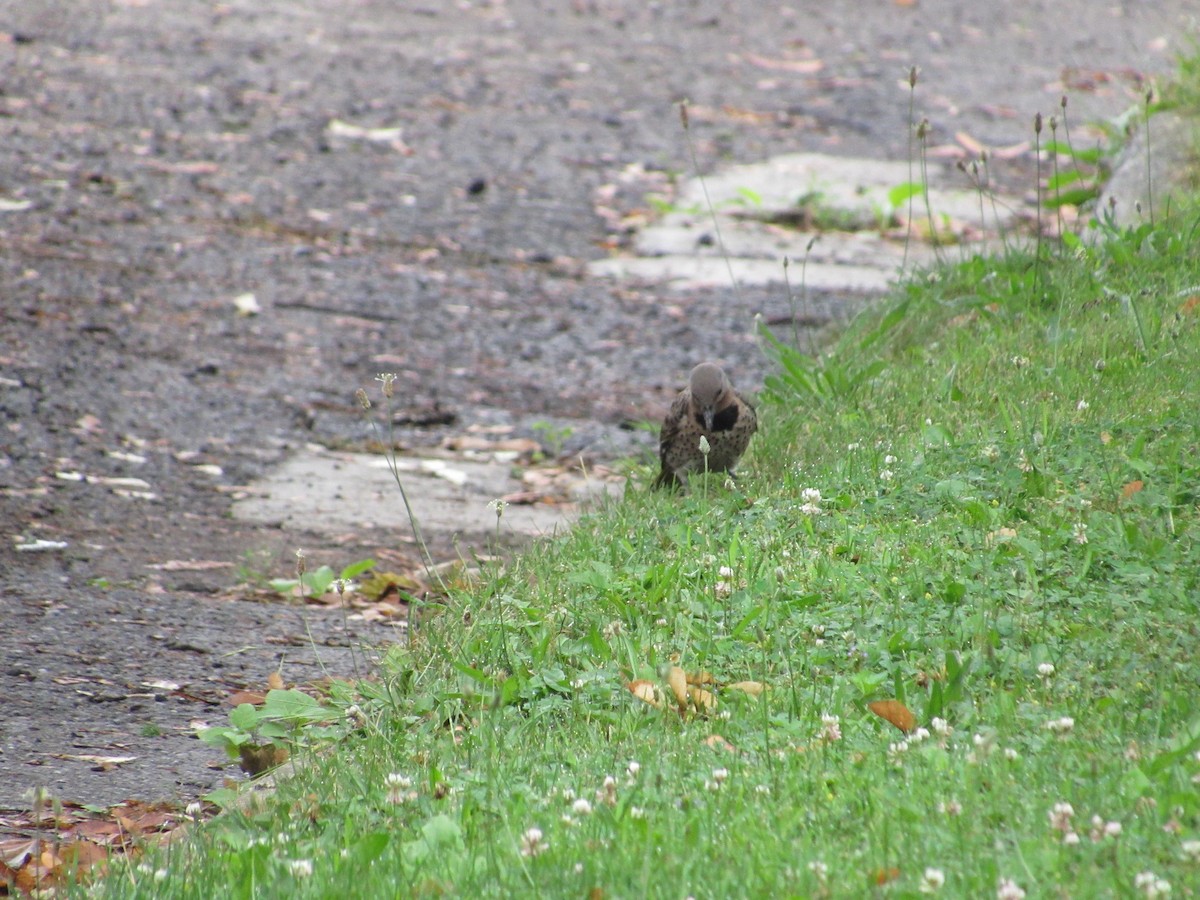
883,876
1132,488
254,698
703,700
677,680
895,712
648,692
753,688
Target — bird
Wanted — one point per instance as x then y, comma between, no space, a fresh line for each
710,414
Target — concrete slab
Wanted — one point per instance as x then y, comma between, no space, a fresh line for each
333,492
865,256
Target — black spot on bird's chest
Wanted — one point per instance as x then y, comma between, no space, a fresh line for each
724,420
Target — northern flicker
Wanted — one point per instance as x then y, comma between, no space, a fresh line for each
707,410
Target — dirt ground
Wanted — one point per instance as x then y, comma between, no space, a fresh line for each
403,187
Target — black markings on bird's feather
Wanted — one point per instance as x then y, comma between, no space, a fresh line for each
723,420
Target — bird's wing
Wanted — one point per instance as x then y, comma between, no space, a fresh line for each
671,424
750,411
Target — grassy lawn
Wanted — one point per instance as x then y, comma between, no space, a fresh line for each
1007,456
980,505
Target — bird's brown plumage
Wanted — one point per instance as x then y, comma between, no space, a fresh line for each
708,407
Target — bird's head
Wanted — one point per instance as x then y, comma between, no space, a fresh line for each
710,389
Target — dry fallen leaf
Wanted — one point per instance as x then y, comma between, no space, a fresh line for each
895,712
884,875
648,692
753,688
258,759
704,701
677,681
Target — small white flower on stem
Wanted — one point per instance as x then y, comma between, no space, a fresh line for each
932,881
533,843
301,868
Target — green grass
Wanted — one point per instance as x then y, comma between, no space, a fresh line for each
1008,458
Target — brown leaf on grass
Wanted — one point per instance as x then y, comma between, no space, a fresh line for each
753,688
677,681
380,585
258,759
648,692
895,712
884,875
703,701
1132,488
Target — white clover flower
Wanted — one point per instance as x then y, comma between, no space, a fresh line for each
932,881
194,810
919,735
1079,533
1190,850
498,506
854,446
1023,462
886,475
941,727
831,728
1008,889
636,812
1020,362
1061,726
819,869
810,495
1011,754
1071,839
581,807
810,509
533,843
1045,670
1060,816
1151,885
301,868
1082,405
720,775
991,453
890,460
398,788
633,768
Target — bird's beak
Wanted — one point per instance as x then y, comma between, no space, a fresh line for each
708,420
